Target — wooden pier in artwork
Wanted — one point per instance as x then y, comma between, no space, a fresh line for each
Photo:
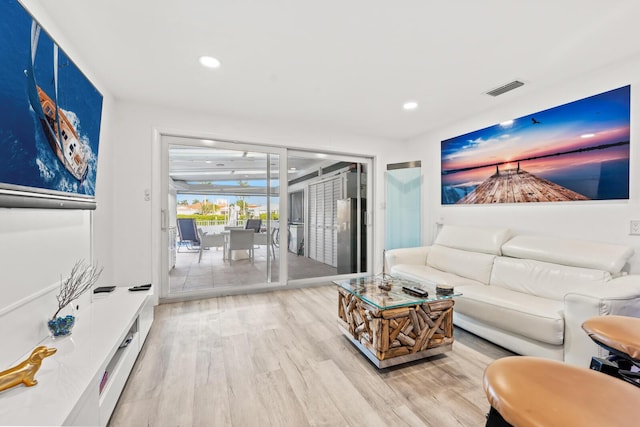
518,186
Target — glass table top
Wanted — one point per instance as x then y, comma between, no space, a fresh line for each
373,290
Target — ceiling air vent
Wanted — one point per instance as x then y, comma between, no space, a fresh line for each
506,88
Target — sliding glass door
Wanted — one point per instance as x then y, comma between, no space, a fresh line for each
327,229
223,209
240,217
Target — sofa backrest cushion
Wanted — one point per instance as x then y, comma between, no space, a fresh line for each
576,253
417,255
543,279
472,265
485,240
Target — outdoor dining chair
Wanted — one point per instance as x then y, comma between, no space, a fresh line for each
211,241
240,240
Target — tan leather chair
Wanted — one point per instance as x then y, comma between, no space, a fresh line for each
620,335
529,391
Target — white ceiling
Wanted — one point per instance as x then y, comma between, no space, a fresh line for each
343,65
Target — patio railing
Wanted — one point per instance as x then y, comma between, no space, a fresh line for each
217,222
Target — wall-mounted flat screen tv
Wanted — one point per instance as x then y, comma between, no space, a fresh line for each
49,119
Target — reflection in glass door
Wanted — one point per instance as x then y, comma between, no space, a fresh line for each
327,230
223,209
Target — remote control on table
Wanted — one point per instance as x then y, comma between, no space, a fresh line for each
103,289
415,291
140,288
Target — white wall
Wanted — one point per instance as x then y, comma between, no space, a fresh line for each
137,222
606,221
39,246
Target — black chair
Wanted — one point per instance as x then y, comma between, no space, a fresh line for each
253,224
188,234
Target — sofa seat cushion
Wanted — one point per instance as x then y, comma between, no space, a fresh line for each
430,277
544,279
472,265
538,318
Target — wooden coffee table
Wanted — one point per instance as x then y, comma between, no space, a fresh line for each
390,326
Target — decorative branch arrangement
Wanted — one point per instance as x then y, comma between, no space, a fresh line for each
81,279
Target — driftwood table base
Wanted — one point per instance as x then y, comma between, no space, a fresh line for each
398,335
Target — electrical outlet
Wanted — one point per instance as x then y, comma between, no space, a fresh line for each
634,227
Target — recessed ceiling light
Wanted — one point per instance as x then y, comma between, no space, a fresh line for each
588,135
410,105
209,62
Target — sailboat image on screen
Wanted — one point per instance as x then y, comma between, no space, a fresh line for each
60,132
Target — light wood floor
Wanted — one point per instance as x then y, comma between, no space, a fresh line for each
278,359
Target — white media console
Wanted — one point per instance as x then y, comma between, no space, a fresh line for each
81,383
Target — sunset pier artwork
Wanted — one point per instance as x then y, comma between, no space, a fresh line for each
518,186
574,152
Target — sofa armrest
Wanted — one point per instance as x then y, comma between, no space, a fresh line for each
620,297
417,256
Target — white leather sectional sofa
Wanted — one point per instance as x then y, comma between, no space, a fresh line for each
529,294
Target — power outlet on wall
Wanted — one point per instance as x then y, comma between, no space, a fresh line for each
634,227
